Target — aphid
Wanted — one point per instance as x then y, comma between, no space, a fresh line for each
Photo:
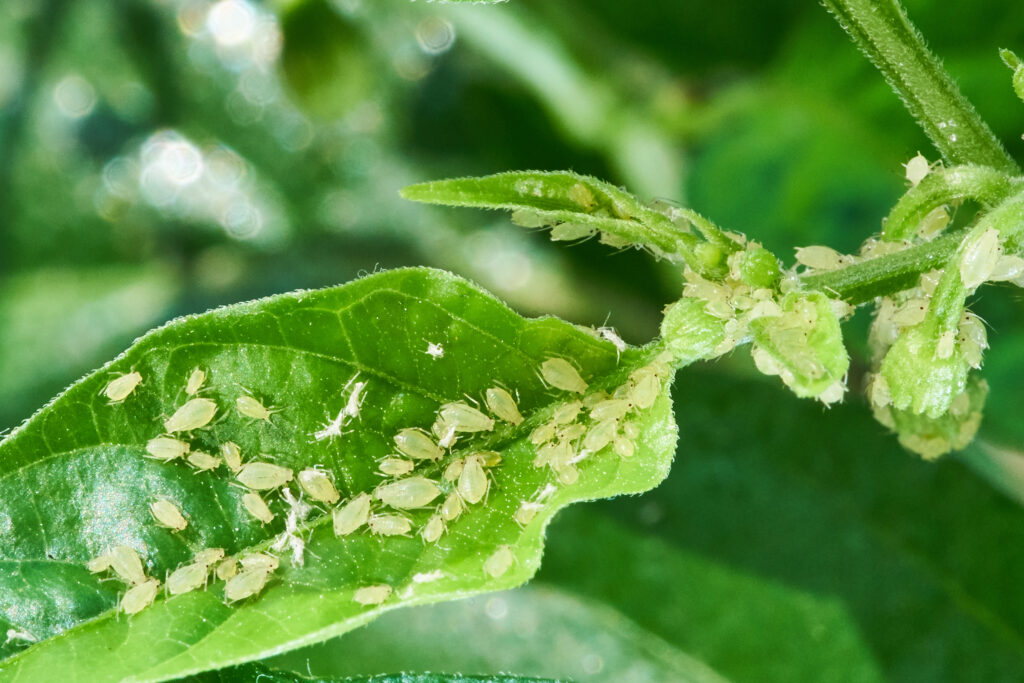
122,387
1008,268
612,409
417,444
973,339
209,556
411,492
446,433
257,507
433,529
564,232
917,168
389,525
465,418
372,595
452,507
227,569
566,412
203,461
979,259
878,392
933,223
623,447
166,448
499,562
246,584
832,393
252,407
100,563
946,344
645,388
630,430
318,485
167,514
526,512
911,313
490,458
263,476
594,397
609,334
571,432
567,474
140,597
454,469
352,515
15,634
473,481
542,434
435,351
501,403
195,382
396,467
821,258
259,561
561,375
196,413
351,410
126,563
188,578
232,455
582,195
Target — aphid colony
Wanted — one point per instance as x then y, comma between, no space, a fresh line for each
576,429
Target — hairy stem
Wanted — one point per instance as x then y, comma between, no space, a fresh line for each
882,31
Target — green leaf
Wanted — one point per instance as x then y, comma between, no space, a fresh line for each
255,672
82,462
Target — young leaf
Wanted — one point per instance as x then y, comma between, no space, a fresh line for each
322,379
256,672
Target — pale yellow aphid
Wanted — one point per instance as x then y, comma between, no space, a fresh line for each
417,444
567,474
452,507
263,476
465,418
501,403
139,597
564,232
473,481
566,412
352,515
252,407
979,259
645,388
560,374
195,382
232,455
1009,268
582,195
188,578
195,414
911,313
209,556
630,430
166,448
126,563
946,344
373,595
973,339
833,392
246,584
396,467
623,447
600,435
932,224
100,563
227,569
259,561
490,458
389,525
570,432
433,529
821,258
454,469
878,392
499,562
526,512
446,433
411,492
917,169
203,461
167,514
594,397
612,409
318,485
257,507
554,454
122,387
542,434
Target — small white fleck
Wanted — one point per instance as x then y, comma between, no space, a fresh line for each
351,410
434,350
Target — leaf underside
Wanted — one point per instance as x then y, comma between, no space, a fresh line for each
74,482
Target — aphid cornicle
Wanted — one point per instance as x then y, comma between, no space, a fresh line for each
232,455
501,403
389,525
560,374
203,462
318,486
411,492
195,414
257,507
167,514
195,382
126,563
352,515
473,481
166,448
188,578
417,444
465,418
263,476
246,584
499,562
140,596
249,406
372,595
433,529
451,508
120,388
396,467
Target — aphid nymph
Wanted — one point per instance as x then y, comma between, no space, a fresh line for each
249,406
560,374
195,382
501,403
167,514
196,413
407,493
122,387
263,476
318,486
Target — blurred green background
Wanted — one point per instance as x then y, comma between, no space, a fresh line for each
159,158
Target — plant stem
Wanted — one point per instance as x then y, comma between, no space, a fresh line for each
884,33
888,274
